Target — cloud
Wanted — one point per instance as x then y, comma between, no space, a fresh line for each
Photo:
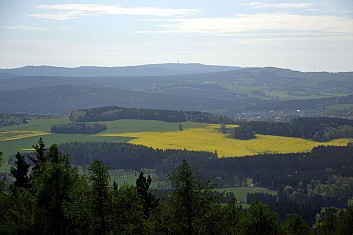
279,5
263,24
320,8
34,28
311,41
74,11
25,27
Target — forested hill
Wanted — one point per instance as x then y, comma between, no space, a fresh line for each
110,113
62,99
315,128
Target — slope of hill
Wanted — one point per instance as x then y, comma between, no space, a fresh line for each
62,99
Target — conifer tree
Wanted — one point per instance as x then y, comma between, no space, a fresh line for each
260,219
191,201
149,200
115,186
20,171
99,176
39,154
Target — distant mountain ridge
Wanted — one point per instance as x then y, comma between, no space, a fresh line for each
226,90
139,70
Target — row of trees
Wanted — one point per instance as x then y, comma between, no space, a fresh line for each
13,119
53,198
130,156
110,113
318,129
78,128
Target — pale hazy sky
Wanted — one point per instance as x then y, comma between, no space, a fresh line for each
301,35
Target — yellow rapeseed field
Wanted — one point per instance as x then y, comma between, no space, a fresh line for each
28,149
15,135
209,138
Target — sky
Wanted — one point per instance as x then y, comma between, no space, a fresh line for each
299,35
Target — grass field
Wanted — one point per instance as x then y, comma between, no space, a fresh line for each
208,138
22,137
123,177
338,107
129,177
264,92
241,192
124,126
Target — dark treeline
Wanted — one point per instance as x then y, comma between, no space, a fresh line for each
78,128
274,170
260,197
283,208
110,113
51,197
268,170
307,208
307,211
318,129
129,156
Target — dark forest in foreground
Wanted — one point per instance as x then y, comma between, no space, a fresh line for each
51,197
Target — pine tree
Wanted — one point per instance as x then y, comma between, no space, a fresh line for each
115,186
1,158
56,157
190,203
56,188
99,176
345,222
295,225
20,171
39,154
149,200
260,219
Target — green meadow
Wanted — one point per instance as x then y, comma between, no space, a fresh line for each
23,144
240,193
